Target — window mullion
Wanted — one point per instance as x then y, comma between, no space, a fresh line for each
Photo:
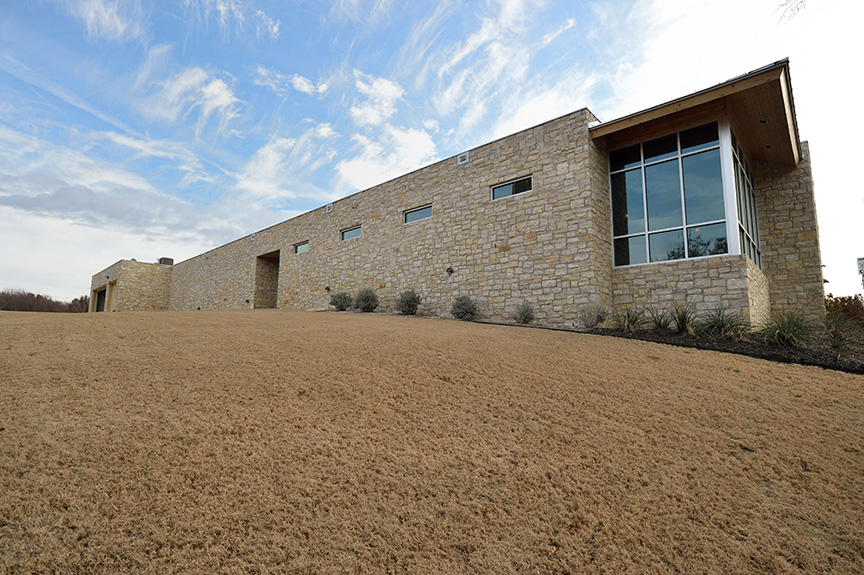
681,194
644,204
727,175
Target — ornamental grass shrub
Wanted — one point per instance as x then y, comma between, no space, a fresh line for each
629,320
721,321
524,313
659,320
408,302
789,329
591,316
341,301
684,318
366,300
464,308
837,327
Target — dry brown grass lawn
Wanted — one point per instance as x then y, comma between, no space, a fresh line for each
288,442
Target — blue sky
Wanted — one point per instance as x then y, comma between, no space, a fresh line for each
133,129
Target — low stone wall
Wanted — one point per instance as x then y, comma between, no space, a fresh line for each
704,282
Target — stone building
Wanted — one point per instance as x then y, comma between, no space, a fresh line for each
707,199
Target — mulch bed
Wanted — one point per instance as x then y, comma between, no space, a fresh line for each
818,350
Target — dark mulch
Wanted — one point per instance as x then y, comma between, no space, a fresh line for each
819,349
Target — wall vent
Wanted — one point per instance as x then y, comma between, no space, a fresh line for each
462,158
166,261
328,208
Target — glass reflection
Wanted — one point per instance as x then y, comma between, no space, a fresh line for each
666,246
663,191
699,138
624,158
707,240
661,148
703,187
628,214
629,251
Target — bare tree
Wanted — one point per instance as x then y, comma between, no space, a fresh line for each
789,9
20,300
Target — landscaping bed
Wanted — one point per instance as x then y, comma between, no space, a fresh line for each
819,350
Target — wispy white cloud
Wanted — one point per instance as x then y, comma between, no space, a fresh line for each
544,102
266,25
306,86
65,195
282,168
109,19
236,14
184,160
281,84
475,73
394,152
552,35
156,60
191,89
43,178
366,11
381,97
40,81
414,55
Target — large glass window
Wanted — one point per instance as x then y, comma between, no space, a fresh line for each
667,198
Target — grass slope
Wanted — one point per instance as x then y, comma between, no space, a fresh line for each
287,442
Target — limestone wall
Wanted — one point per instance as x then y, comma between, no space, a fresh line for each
704,282
789,233
758,295
107,280
133,286
550,246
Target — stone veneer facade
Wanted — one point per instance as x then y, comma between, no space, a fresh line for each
551,246
133,286
790,236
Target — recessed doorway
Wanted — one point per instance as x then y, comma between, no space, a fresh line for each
267,280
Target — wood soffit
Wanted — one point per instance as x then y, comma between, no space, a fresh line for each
759,106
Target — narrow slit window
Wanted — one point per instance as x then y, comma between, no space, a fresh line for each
512,188
417,214
301,248
351,233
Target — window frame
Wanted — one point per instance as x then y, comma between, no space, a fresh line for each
747,218
723,145
342,233
299,245
529,177
406,213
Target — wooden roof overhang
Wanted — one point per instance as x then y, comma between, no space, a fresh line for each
759,106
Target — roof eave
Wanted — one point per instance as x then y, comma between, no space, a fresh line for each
772,80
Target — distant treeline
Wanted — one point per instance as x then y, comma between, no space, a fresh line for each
20,300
